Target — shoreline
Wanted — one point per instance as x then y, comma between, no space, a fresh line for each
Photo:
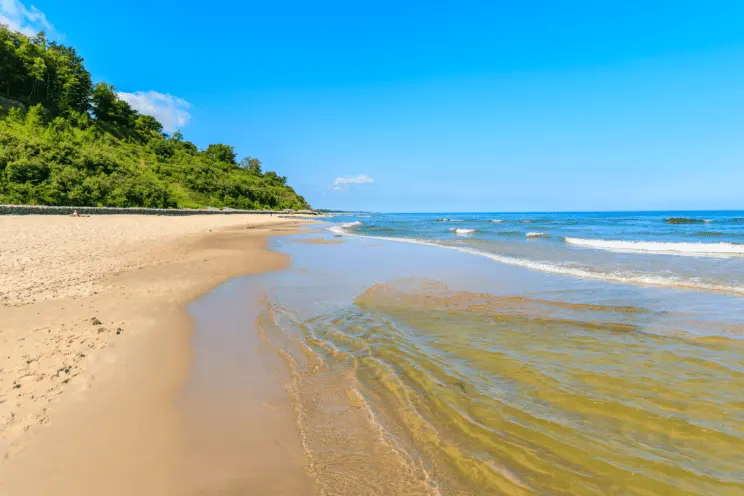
93,363
83,210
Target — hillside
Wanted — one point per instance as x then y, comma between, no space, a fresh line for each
64,141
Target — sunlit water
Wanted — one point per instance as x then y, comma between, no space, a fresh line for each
418,370
697,250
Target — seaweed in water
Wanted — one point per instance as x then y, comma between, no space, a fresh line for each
683,220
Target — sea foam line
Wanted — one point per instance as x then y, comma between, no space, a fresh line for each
699,249
618,277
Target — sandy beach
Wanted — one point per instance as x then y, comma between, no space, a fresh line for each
95,343
135,360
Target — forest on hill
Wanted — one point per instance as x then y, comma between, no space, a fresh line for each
65,141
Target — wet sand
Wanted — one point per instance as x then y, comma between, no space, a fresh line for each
319,241
95,346
241,435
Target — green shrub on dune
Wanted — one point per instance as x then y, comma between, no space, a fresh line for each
65,142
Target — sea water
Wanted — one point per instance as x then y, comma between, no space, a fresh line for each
566,354
681,249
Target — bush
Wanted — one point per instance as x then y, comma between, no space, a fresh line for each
27,170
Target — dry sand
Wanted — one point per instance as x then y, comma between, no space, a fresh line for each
94,345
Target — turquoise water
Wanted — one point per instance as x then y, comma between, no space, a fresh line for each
695,250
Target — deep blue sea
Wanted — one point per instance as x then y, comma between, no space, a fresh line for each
692,250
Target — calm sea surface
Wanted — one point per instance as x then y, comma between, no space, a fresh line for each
479,354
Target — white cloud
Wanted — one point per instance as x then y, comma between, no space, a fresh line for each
169,110
340,182
28,21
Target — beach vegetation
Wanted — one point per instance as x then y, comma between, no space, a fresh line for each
66,141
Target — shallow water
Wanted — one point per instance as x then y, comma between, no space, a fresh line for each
417,370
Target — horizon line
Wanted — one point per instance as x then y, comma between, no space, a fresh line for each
523,211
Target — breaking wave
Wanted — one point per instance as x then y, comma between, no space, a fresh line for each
625,277
342,228
462,232
696,249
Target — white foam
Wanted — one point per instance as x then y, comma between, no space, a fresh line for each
658,247
450,220
618,277
462,232
495,220
352,224
536,235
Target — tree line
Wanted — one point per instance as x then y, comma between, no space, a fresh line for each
67,141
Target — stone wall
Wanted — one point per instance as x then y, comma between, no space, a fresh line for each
45,210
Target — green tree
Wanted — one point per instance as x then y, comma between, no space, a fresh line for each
148,126
275,178
251,164
223,153
107,107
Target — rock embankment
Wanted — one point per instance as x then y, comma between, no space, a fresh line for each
47,210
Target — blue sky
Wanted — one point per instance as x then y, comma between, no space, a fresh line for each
441,106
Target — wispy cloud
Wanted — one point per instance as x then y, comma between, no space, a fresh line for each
170,111
26,20
340,182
